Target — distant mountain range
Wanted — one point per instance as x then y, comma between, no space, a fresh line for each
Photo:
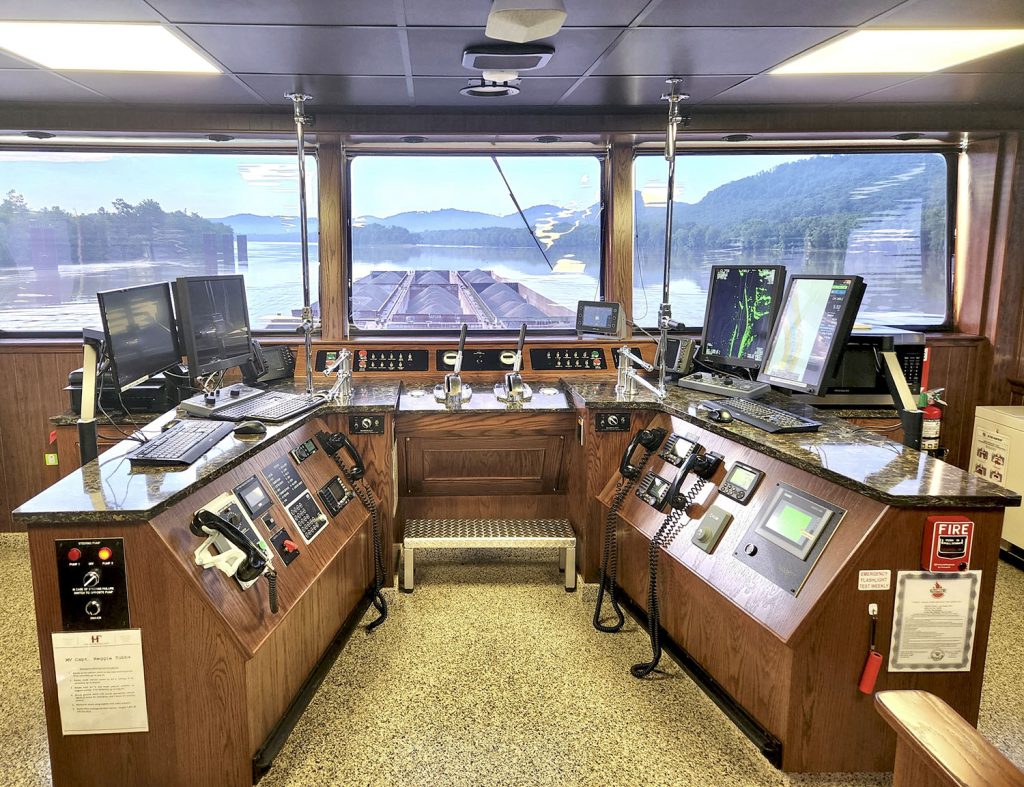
453,219
269,228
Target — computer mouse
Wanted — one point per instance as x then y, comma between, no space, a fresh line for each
720,416
250,427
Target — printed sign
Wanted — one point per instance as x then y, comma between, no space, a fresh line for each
874,579
933,621
991,455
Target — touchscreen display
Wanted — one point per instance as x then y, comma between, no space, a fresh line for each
794,522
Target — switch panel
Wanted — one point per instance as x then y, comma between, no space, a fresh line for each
393,360
557,358
612,422
93,584
710,528
366,424
286,546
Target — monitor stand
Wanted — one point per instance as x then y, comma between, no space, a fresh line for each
207,405
723,385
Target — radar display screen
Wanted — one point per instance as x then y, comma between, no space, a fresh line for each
742,302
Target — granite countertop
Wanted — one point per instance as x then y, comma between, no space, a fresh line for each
547,398
109,489
847,455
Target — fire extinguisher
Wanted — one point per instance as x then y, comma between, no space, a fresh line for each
931,424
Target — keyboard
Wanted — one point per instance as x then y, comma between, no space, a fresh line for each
182,444
272,406
771,419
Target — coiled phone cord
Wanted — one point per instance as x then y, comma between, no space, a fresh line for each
380,604
667,533
610,556
271,576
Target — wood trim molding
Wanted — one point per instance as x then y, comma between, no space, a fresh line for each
332,237
618,235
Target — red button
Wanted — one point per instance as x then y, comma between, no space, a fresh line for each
289,546
105,553
74,554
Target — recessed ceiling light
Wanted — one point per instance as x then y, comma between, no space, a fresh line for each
547,139
737,138
74,46
901,51
412,139
908,136
39,134
481,88
219,137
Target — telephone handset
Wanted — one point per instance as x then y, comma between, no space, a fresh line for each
704,466
650,439
334,442
247,568
268,363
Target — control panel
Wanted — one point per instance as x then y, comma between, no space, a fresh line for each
284,480
653,490
366,424
677,449
741,482
612,422
787,535
93,584
710,528
306,516
335,495
477,360
282,540
554,358
303,451
253,496
392,359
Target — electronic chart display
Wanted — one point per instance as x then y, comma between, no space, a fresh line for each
742,303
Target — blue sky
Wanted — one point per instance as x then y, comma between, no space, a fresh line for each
217,185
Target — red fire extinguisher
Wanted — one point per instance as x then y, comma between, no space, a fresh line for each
931,424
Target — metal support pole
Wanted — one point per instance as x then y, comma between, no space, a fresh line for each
298,100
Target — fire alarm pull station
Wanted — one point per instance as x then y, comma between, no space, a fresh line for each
947,543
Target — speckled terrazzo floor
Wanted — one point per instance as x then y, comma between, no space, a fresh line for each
490,674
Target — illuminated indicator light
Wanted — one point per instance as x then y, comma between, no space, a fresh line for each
74,554
105,553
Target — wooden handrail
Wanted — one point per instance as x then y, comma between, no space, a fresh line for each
936,748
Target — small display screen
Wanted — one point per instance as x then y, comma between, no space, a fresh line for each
337,489
597,317
309,446
254,496
794,522
791,523
682,447
658,488
742,477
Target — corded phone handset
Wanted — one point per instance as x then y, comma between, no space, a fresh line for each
704,466
650,440
236,555
268,363
332,443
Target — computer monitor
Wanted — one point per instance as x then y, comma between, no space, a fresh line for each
139,332
811,331
742,303
214,321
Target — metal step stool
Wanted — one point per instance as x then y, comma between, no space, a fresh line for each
490,534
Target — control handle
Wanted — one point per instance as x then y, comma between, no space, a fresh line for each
207,523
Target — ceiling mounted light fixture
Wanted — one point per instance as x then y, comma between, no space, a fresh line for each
412,139
547,139
737,138
510,57
483,88
908,136
219,137
524,20
96,46
39,134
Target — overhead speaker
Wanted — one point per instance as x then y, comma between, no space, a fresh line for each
507,57
524,20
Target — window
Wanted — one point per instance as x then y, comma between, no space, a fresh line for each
76,223
438,241
884,216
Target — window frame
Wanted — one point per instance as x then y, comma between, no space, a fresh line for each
240,148
352,331
949,152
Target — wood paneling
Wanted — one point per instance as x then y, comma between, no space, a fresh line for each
958,365
32,380
331,237
618,228
481,507
937,748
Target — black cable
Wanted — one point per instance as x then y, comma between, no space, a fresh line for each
271,576
366,497
139,438
667,533
610,557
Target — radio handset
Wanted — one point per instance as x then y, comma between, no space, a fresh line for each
650,439
332,443
252,562
704,466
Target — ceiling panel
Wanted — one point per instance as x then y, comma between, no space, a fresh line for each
270,12
473,13
774,13
9,61
956,13
709,50
258,49
444,91
1009,62
438,51
35,85
330,91
167,88
78,10
803,89
645,91
953,88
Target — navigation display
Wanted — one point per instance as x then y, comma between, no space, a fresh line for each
794,522
742,302
603,317
813,328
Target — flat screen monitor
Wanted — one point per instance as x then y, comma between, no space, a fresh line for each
139,332
741,307
214,321
811,331
601,317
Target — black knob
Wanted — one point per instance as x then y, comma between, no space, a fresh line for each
703,533
235,391
92,607
750,549
91,578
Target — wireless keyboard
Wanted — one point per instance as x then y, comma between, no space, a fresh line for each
771,419
182,444
272,406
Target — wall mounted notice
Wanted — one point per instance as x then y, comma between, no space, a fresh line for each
934,620
101,686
